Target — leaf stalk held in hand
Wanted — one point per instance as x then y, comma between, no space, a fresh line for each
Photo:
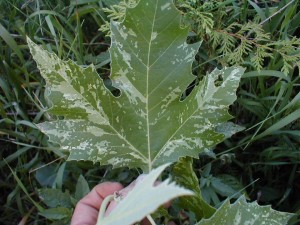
103,208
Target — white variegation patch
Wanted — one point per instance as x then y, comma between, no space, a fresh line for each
165,6
153,36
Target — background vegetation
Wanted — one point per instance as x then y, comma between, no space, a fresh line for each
262,161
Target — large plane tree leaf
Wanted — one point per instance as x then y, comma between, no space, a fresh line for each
147,125
242,212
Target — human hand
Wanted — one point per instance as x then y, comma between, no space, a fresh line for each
87,209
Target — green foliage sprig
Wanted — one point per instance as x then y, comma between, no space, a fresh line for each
233,42
117,13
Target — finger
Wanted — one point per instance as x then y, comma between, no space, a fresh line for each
145,222
86,211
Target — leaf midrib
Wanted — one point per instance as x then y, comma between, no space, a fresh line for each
147,90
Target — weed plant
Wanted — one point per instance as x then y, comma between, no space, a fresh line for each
262,161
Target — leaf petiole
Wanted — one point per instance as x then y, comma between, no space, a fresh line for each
149,217
103,208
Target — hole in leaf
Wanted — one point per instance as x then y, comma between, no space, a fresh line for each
108,84
219,81
189,89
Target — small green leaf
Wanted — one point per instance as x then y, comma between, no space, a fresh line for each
56,213
184,175
46,175
231,183
144,199
221,188
82,188
242,212
55,197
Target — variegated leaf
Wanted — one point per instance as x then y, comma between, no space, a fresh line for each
144,199
245,213
147,125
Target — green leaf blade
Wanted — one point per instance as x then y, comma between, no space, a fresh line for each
184,175
82,188
242,212
55,198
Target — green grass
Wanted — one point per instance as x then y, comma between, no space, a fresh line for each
264,158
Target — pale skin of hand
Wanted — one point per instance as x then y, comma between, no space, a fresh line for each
87,209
